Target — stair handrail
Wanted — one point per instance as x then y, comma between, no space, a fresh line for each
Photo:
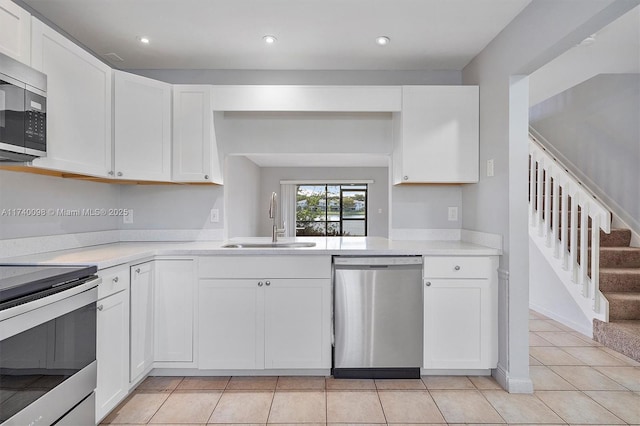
551,186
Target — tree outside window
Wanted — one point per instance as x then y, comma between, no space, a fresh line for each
331,210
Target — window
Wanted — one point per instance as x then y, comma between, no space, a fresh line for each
331,210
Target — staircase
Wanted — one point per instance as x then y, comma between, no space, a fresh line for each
620,284
599,269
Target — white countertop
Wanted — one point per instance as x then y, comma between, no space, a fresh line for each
107,255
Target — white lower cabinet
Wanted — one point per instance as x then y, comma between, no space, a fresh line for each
173,317
460,313
112,351
264,323
141,321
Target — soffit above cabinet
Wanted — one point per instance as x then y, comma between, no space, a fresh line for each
311,34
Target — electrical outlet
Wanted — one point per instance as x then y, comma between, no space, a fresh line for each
453,214
215,215
128,218
490,167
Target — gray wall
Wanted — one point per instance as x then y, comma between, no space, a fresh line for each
596,126
172,206
378,192
31,191
498,204
425,206
327,77
242,192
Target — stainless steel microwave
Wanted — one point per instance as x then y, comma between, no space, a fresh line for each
23,111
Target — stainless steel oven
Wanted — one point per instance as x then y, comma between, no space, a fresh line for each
47,345
23,111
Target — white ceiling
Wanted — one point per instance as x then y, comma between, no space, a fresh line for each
312,34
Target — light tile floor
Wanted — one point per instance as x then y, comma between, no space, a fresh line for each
576,381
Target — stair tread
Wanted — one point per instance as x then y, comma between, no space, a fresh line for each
622,248
630,326
628,295
621,271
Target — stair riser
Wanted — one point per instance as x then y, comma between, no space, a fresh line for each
608,335
617,282
619,259
617,238
623,309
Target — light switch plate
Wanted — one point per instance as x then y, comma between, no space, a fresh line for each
215,215
453,214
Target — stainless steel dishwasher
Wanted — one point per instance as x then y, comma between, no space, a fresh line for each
377,317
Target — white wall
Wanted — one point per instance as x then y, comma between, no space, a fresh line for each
307,133
548,295
595,127
323,77
616,49
180,207
31,191
378,192
541,32
242,192
425,206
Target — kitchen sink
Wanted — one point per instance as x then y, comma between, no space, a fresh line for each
270,245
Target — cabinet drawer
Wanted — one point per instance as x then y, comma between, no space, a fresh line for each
265,267
114,279
458,267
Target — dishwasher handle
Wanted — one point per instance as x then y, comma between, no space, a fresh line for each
377,261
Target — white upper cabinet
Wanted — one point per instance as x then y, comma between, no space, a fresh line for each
78,104
195,151
436,136
142,128
15,31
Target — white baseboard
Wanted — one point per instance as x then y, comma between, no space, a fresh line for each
587,331
512,384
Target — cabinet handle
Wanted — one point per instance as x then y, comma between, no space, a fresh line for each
116,279
267,283
457,267
406,177
428,283
138,270
110,172
259,283
100,307
206,176
119,173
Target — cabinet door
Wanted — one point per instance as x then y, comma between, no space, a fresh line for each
15,31
78,104
142,128
458,324
195,151
174,299
141,319
231,329
297,323
112,352
437,139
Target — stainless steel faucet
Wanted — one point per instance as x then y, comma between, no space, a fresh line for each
273,213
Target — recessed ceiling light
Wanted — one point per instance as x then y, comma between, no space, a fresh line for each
269,39
383,40
143,40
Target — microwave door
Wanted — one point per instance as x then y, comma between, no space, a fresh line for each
11,117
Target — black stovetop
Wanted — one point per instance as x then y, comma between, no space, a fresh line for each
21,280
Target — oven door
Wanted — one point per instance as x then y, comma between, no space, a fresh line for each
48,357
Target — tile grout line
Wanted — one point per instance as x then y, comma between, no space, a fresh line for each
380,401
